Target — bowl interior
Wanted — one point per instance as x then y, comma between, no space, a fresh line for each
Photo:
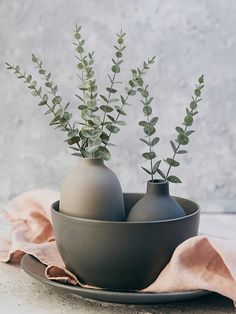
130,199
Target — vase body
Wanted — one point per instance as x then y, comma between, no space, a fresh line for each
92,191
156,204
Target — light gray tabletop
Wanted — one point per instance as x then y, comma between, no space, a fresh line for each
20,293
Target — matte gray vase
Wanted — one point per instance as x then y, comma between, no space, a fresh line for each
157,204
92,191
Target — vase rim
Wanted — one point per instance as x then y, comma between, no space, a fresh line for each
89,158
157,181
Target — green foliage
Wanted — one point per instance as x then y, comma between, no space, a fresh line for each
184,133
90,136
149,130
182,138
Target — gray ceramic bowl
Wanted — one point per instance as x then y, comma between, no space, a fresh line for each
121,255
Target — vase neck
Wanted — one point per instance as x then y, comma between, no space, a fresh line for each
91,161
158,187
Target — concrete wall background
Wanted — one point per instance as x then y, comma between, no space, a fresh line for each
188,37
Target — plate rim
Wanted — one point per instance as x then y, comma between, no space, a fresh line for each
129,297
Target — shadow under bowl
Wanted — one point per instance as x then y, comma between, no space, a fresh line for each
121,255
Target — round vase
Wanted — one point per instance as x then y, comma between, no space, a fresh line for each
92,191
156,204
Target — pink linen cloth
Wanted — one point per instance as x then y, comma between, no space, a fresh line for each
198,263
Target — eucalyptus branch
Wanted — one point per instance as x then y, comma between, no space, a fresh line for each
60,120
115,69
53,89
149,131
80,49
90,132
72,132
184,133
93,133
135,81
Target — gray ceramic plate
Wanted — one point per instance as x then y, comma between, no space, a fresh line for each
36,269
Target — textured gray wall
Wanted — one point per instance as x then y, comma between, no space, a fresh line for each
188,37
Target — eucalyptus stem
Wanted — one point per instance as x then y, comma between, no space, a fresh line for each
150,147
184,133
108,99
44,99
49,84
131,91
115,121
115,69
149,130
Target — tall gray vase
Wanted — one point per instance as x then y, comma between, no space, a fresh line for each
92,191
156,204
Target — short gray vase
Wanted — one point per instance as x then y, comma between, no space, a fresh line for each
92,191
156,204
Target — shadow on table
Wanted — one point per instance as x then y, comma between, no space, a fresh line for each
212,303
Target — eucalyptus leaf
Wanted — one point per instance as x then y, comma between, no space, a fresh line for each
147,110
110,118
120,110
122,100
82,107
173,146
172,162
193,104
34,93
144,141
91,149
86,132
86,114
104,98
72,140
188,133
96,120
143,123
106,155
77,154
115,68
121,122
149,155
106,108
111,90
153,121
146,170
73,133
160,173
154,141
179,129
197,92
112,128
174,179
181,151
156,166
182,139
132,92
113,100
42,103
56,100
149,130
188,120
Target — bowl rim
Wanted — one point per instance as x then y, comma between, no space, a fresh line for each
196,212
